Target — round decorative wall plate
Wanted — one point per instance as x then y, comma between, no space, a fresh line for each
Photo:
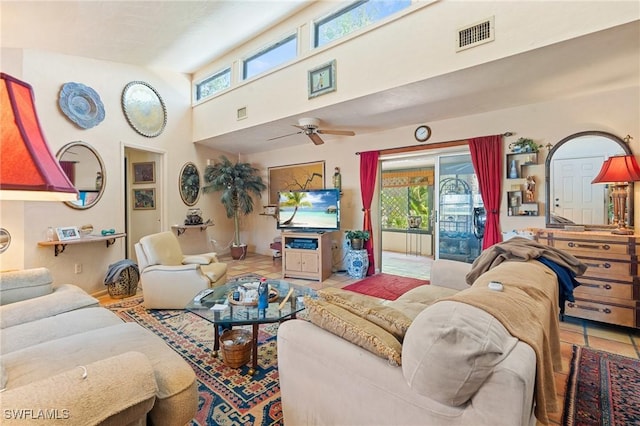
144,108
81,104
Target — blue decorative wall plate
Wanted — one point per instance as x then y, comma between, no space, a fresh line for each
81,104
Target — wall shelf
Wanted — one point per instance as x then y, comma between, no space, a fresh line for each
59,246
180,229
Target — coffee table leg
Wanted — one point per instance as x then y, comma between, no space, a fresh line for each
216,341
254,351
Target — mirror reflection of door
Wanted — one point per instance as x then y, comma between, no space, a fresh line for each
572,194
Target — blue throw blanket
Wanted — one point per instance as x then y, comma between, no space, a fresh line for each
115,269
566,281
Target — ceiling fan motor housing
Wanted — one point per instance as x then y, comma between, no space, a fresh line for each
309,123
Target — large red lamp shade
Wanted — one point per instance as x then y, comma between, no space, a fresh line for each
28,169
619,170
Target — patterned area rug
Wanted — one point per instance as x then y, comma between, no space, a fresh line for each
602,389
228,396
385,286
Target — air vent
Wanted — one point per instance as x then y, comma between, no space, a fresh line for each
475,34
242,113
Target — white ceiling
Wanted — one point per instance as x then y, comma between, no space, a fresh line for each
184,35
177,35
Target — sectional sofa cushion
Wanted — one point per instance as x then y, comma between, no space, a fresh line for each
451,349
21,285
54,327
355,329
390,319
64,298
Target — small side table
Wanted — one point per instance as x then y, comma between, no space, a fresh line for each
357,263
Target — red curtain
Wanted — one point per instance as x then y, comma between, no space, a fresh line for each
486,155
368,173
69,169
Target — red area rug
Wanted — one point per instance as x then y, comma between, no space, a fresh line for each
385,286
602,389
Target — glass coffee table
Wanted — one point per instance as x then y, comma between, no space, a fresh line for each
219,308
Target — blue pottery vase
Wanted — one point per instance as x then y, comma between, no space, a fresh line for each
357,263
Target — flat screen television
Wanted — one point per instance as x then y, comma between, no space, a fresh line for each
309,210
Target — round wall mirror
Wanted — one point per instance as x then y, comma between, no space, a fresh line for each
85,170
571,198
189,184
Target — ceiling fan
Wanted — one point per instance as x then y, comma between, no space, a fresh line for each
309,127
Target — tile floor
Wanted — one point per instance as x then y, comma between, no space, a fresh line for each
623,341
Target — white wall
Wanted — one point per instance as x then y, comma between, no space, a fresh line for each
27,221
416,45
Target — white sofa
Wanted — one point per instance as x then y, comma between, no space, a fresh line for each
66,359
460,366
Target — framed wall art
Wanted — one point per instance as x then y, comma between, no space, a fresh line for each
144,199
322,79
295,177
144,172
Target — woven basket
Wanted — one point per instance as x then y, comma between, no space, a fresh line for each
127,284
239,352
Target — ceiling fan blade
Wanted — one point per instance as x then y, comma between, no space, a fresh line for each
316,139
284,136
337,132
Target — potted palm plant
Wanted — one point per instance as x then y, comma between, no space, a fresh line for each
357,238
237,182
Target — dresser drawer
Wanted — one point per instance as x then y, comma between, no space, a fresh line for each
615,267
621,315
591,287
592,246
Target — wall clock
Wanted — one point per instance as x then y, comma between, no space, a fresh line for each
144,109
422,133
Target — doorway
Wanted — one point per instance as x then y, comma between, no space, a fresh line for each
143,189
450,217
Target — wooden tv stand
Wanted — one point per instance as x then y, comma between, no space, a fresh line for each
306,255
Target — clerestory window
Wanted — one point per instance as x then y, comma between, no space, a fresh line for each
214,84
353,17
269,58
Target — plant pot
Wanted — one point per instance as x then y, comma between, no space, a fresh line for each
357,244
238,252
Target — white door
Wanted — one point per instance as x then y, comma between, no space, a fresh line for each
573,196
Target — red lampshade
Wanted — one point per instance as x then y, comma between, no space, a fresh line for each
619,168
28,169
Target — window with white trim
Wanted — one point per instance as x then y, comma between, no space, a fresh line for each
214,84
269,58
353,17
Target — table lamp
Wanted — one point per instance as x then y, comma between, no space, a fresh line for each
618,171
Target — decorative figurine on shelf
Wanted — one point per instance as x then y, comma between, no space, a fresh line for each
513,170
337,180
194,217
530,189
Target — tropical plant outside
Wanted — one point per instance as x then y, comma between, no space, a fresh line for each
238,182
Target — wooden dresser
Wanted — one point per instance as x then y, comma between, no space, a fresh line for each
609,290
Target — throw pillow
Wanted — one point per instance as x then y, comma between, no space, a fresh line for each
451,349
353,328
390,319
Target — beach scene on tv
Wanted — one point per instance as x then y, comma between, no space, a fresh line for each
312,210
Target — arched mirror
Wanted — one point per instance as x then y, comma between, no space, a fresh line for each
189,183
85,170
571,198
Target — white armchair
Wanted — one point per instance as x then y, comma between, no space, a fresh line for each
170,279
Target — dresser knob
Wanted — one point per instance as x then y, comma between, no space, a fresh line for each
607,287
606,310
